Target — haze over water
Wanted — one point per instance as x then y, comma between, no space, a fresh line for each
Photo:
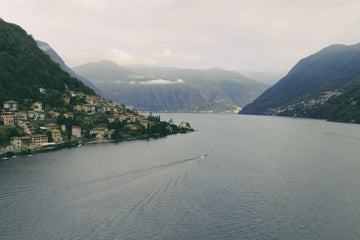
238,177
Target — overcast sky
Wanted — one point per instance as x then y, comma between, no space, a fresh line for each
258,35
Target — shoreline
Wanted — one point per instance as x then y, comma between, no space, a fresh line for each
12,153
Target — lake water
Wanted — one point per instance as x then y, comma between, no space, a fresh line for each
263,178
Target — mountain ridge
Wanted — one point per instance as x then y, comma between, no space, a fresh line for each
172,89
46,48
24,68
312,84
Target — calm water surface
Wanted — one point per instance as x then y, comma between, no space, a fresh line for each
263,178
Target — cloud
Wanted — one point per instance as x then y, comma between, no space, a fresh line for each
168,54
257,35
122,57
161,81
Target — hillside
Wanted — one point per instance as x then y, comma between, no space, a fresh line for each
172,89
24,68
45,47
315,86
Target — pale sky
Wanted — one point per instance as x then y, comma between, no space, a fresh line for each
255,35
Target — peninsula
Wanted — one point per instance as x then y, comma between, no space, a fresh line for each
82,119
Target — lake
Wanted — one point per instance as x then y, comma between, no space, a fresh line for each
237,177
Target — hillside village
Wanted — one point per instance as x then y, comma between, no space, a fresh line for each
82,119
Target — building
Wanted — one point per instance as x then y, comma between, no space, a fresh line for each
37,106
54,114
42,90
8,118
132,117
11,106
56,135
99,132
15,143
40,116
68,115
20,116
76,131
31,114
38,140
87,108
51,126
185,125
26,142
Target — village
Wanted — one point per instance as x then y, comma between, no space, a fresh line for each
82,119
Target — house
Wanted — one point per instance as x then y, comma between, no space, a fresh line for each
31,114
54,114
90,100
8,118
77,108
11,106
39,116
132,117
20,116
111,119
51,126
42,90
76,131
99,132
185,125
56,135
38,140
80,95
15,143
37,107
26,142
120,117
68,115
87,108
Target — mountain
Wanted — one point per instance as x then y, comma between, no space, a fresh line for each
315,86
24,68
267,77
172,89
45,47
